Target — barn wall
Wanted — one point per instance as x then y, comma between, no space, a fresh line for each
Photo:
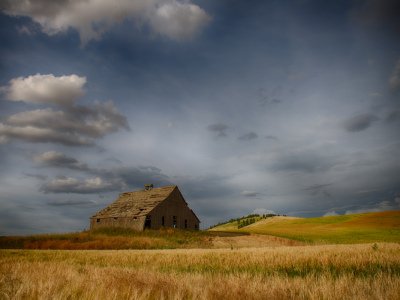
174,205
136,224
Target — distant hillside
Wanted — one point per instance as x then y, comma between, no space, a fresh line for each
355,228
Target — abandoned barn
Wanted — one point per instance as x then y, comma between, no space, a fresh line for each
148,208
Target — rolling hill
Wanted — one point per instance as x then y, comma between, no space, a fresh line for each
354,228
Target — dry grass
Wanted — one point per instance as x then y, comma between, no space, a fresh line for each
120,238
304,272
111,238
355,228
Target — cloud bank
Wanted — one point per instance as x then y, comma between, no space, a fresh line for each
91,18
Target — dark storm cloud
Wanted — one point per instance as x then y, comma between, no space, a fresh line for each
205,187
96,180
71,203
302,161
70,125
379,13
359,122
58,159
319,190
393,116
248,136
36,176
271,137
73,185
250,193
138,176
218,128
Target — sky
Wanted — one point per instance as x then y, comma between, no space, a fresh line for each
290,107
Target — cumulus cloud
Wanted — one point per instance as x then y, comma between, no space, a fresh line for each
248,136
71,124
394,80
359,122
218,128
91,18
46,89
178,20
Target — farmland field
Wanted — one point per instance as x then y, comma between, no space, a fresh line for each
366,271
355,228
340,257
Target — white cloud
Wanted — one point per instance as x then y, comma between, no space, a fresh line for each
91,18
179,20
72,124
46,89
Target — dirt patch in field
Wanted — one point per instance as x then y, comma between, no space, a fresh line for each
252,241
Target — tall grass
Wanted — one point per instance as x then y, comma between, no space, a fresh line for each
306,272
111,238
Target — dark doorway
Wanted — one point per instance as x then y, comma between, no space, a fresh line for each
174,221
162,221
185,223
147,223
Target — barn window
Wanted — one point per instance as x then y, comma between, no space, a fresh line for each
162,221
174,221
98,220
185,223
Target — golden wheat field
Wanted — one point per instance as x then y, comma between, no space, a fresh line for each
364,271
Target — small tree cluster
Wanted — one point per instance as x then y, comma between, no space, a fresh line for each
246,222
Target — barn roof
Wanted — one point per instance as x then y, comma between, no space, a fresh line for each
135,204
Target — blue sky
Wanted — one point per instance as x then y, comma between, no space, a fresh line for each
284,106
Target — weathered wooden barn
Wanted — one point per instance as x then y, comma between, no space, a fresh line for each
148,208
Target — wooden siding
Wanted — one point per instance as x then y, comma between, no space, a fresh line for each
174,205
136,224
